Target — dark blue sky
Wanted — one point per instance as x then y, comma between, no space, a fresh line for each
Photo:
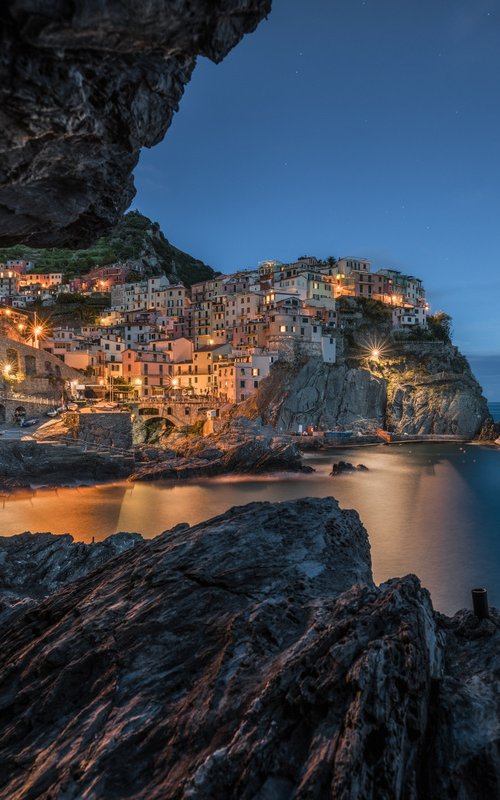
347,127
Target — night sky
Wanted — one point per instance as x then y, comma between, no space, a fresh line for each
343,127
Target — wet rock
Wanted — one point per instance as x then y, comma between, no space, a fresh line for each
243,446
24,464
83,87
250,656
464,738
343,467
37,564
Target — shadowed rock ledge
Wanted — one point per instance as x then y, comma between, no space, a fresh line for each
250,656
83,86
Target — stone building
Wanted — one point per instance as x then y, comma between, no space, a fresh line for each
30,371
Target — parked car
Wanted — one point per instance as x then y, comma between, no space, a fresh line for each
27,423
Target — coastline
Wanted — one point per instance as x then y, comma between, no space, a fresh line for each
30,465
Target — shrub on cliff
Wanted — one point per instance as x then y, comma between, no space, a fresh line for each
440,326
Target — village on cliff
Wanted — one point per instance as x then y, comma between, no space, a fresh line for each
218,339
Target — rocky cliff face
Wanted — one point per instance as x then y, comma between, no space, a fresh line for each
83,86
250,656
421,391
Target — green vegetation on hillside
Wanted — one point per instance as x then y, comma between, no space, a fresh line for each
136,238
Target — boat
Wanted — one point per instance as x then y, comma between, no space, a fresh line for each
338,434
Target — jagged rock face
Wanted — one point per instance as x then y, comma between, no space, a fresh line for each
323,395
242,446
250,656
436,395
82,88
35,565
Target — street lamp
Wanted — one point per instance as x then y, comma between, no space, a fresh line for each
375,353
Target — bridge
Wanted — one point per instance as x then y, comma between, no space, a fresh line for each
177,411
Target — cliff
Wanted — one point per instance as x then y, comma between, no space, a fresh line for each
250,656
83,87
414,388
136,240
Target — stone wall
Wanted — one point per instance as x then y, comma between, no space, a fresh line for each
113,429
43,374
9,406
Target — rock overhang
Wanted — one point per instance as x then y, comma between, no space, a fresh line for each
83,87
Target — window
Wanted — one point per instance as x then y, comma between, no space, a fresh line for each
243,384
282,328
30,365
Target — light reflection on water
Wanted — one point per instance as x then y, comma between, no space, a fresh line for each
429,509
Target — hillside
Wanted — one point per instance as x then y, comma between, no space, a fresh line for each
136,239
418,383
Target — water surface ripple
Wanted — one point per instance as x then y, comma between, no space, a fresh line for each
429,509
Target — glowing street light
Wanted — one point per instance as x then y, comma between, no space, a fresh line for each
375,353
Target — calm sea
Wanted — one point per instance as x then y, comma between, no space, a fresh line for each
495,411
429,509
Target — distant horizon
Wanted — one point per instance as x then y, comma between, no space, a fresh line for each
486,368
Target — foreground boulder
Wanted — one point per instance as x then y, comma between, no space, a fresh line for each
83,86
250,656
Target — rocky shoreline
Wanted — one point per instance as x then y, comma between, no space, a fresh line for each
242,446
249,656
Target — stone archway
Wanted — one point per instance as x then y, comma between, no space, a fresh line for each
149,411
158,426
19,414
